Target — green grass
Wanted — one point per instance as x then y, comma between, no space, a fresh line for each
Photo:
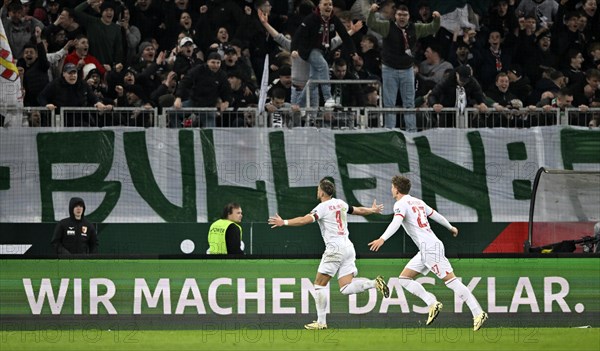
422,339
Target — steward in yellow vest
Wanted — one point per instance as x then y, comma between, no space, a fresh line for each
225,235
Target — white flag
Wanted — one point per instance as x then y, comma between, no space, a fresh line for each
11,97
264,86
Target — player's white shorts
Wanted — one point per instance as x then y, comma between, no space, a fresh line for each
338,259
434,261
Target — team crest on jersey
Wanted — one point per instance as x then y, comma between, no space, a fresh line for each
84,230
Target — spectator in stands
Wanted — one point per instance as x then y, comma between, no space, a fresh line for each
370,54
75,234
371,97
35,70
495,58
220,42
131,35
241,96
561,100
502,16
284,81
104,35
397,59
594,52
519,84
433,67
460,51
588,91
282,113
535,55
252,31
19,26
66,21
221,14
81,56
148,17
552,81
500,93
502,100
573,73
300,68
179,16
204,86
92,77
185,59
459,90
345,95
148,66
567,37
163,95
313,40
424,12
544,10
225,235
592,27
69,91
49,13
134,97
231,62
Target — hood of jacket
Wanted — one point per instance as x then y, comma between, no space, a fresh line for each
72,203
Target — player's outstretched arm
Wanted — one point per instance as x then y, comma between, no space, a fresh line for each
277,221
454,231
365,211
391,230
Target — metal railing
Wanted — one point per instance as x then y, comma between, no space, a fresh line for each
335,118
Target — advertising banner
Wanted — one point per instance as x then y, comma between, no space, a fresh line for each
527,292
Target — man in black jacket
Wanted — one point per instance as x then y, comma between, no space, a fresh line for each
75,234
460,90
204,86
69,91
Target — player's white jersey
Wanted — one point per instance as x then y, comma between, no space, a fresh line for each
415,214
332,218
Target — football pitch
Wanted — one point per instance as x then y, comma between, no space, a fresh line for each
421,339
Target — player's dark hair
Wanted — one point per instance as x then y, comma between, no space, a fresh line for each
327,186
229,209
402,184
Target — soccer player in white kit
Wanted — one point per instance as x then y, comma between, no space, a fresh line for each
414,214
339,256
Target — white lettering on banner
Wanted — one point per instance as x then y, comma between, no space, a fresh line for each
283,302
492,307
559,297
278,295
243,295
96,299
163,288
77,297
395,287
46,291
529,299
212,296
368,307
196,301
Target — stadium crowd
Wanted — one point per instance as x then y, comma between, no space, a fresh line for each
211,53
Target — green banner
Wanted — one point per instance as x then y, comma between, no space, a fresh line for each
187,176
192,293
